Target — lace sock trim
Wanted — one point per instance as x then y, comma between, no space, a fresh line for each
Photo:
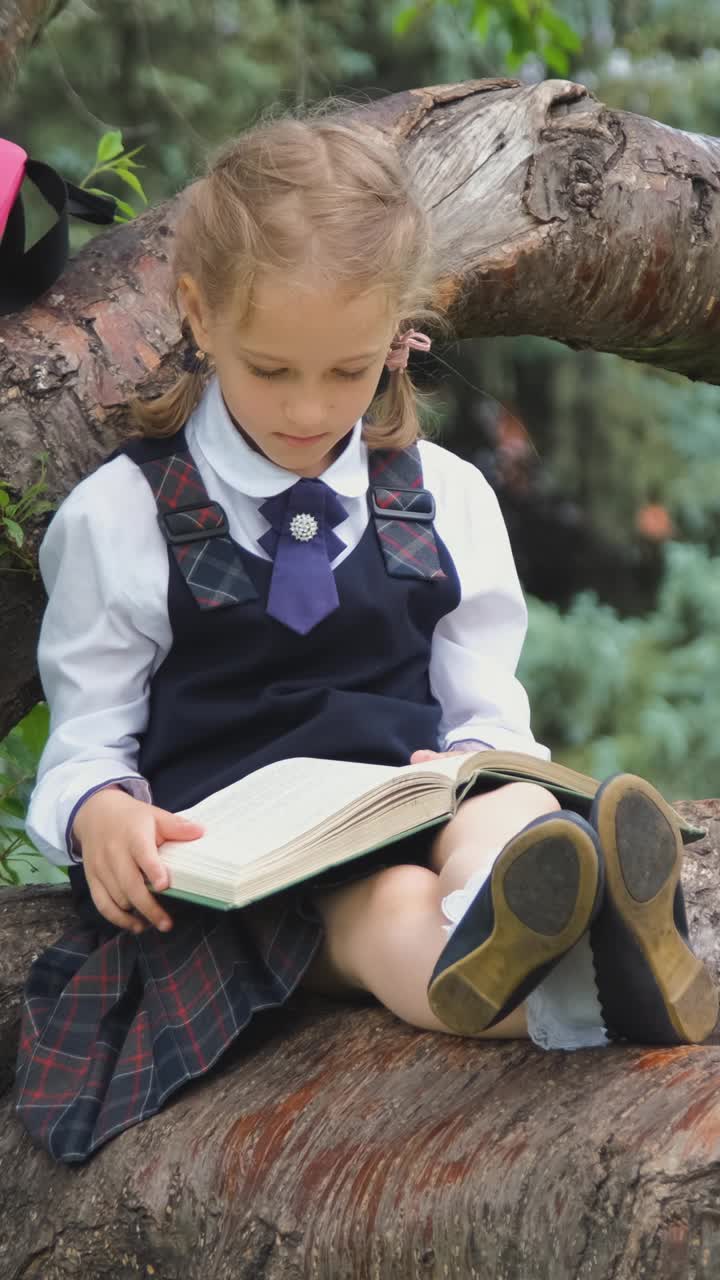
564,1011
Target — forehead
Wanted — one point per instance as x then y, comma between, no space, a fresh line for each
297,320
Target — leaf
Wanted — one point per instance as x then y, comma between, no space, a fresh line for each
125,208
97,191
132,181
11,821
8,875
127,158
481,19
564,35
404,20
34,728
14,531
4,498
109,146
556,59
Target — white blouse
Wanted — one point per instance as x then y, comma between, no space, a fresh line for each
105,631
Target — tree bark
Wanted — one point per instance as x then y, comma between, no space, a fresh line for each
553,214
21,22
340,1142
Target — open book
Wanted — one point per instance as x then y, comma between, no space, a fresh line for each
293,819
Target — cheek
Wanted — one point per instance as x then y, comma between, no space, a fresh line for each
251,398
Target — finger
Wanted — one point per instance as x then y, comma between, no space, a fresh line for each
109,908
134,887
151,866
121,899
168,826
419,757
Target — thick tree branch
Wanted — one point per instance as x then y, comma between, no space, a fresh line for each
339,1141
553,214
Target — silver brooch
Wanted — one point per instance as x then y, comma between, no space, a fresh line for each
303,527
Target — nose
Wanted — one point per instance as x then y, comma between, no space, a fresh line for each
307,414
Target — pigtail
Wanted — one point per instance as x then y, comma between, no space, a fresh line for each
392,420
167,413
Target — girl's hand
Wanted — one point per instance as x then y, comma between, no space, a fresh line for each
119,836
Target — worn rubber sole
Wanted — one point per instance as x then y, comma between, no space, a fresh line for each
652,987
543,891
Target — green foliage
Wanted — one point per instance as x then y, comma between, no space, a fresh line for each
112,158
637,694
20,862
14,515
520,27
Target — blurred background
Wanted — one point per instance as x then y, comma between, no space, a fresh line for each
608,472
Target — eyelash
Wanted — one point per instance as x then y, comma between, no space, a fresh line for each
274,373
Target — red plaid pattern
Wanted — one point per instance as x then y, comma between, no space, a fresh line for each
408,545
113,1023
211,566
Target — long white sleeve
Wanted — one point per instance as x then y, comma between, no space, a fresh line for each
476,648
94,659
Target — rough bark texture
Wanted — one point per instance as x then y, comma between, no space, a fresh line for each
341,1143
21,22
553,215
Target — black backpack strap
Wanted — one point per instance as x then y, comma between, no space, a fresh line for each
403,512
25,276
195,528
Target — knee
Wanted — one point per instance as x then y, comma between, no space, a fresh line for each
531,798
402,887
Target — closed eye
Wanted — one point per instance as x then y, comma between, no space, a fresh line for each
276,373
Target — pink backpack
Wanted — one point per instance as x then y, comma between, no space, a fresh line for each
26,274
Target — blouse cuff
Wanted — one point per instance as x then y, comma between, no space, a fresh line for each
138,788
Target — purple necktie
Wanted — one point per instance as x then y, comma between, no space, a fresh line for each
302,544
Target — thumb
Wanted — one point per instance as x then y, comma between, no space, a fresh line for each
171,826
420,757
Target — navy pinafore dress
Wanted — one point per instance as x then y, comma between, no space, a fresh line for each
112,1023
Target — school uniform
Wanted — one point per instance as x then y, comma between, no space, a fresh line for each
173,665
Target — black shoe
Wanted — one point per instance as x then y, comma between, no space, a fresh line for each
652,987
544,890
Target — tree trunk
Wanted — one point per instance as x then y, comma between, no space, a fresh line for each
340,1142
553,215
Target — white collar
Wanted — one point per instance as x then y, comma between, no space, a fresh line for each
211,430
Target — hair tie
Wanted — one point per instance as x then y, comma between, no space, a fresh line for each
194,360
400,348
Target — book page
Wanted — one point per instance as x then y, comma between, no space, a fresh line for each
280,804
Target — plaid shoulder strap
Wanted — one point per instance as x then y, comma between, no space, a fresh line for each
195,528
403,512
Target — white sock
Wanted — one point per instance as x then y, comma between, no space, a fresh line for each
564,1011
455,904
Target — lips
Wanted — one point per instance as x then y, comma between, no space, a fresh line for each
300,439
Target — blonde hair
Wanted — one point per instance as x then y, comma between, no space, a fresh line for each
308,188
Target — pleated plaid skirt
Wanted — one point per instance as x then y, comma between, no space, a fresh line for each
114,1023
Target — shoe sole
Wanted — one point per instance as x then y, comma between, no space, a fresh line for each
641,960
544,888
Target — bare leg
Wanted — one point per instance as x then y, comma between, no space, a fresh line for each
384,934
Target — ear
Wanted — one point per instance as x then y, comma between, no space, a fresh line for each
192,306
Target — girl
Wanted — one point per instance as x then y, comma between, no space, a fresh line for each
275,567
